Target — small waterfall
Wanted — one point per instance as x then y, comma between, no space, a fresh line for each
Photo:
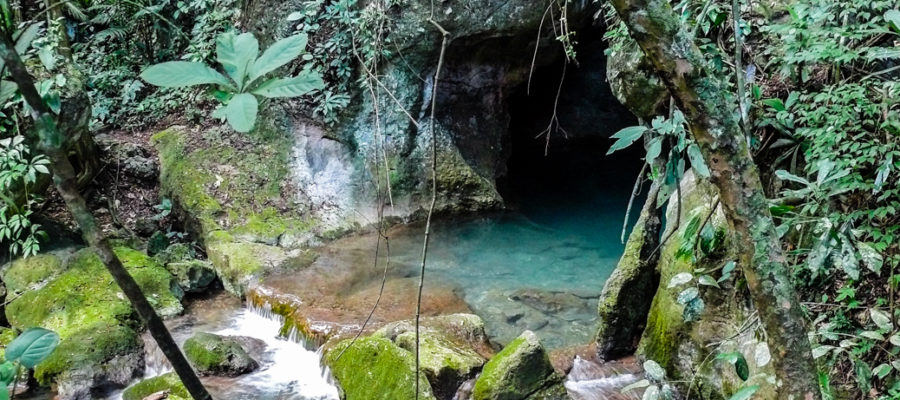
289,369
589,380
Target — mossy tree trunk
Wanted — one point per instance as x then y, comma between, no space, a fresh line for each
713,121
52,144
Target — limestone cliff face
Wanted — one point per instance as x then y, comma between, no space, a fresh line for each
490,53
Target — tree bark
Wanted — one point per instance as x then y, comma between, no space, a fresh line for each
714,125
52,143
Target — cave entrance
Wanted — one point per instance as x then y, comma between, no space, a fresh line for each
569,183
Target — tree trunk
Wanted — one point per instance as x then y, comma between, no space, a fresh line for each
52,144
714,125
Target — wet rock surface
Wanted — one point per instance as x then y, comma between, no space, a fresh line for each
212,354
521,370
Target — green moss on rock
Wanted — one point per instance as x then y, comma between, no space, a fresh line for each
237,264
92,316
168,383
375,368
218,355
26,272
521,369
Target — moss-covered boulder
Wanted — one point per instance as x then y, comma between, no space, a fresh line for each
680,346
167,384
24,273
622,310
99,344
520,370
218,355
375,368
193,276
634,81
452,348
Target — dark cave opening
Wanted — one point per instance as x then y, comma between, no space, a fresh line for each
571,173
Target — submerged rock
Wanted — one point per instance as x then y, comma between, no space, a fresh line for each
375,368
99,345
165,386
522,370
212,354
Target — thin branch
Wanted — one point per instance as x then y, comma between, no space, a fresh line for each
554,120
537,44
437,74
634,194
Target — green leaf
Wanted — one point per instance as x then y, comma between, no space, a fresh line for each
776,104
744,393
787,176
183,73
654,371
693,309
680,279
872,335
278,54
871,257
895,339
241,112
4,393
303,83
654,148
7,374
626,137
651,393
881,319
697,162
637,385
687,295
707,280
23,41
32,346
882,370
237,53
741,368
7,91
893,18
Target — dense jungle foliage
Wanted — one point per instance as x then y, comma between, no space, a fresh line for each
818,88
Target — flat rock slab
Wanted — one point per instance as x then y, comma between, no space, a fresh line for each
335,294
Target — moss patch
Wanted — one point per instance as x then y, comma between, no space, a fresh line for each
85,306
217,355
167,382
521,369
230,184
26,272
375,368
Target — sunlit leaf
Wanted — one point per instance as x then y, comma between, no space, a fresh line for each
182,73
278,54
697,162
303,83
761,354
637,385
654,371
241,112
680,279
744,393
626,137
237,53
881,319
32,346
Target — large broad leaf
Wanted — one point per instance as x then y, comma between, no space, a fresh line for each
299,85
697,162
278,54
237,53
32,346
893,18
626,137
183,73
787,176
241,112
7,90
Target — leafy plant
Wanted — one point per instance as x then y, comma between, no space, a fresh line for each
239,57
27,350
19,170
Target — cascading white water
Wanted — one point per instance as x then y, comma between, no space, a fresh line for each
288,370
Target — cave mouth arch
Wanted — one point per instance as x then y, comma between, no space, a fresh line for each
570,176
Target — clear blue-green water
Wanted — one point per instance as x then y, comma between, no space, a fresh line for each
543,265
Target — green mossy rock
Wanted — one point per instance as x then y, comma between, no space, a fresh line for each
518,371
679,346
193,276
168,383
157,243
446,364
24,273
218,355
238,264
375,368
97,326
